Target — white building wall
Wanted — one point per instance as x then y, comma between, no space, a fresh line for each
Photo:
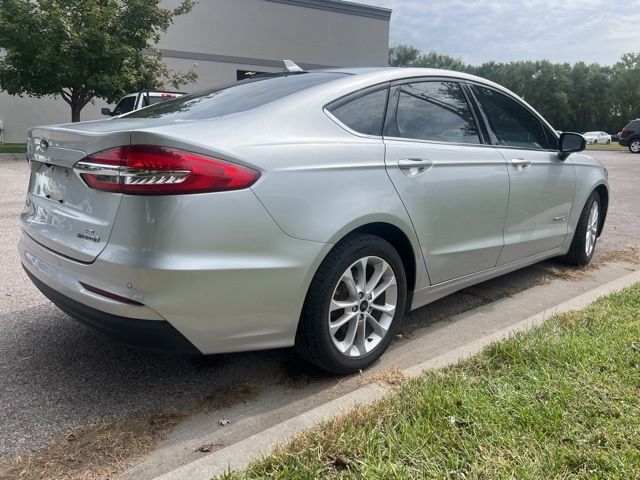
220,37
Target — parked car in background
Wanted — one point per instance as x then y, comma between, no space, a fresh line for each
597,137
630,136
615,137
306,209
138,100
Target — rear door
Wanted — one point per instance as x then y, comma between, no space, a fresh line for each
541,185
454,186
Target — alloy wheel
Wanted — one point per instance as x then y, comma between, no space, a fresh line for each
362,306
635,146
592,230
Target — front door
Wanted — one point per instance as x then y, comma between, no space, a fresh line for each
541,185
455,188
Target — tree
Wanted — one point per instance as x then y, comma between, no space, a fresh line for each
84,49
577,97
407,56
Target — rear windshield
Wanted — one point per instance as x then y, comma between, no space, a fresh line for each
236,97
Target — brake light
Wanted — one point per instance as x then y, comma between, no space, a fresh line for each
158,170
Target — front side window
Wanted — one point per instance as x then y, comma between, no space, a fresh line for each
126,105
364,114
436,111
512,124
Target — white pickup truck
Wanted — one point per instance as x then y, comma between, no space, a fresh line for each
138,100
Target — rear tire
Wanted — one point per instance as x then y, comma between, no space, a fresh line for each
585,237
354,305
634,146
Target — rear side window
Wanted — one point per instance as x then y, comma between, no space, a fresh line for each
512,124
236,97
436,111
364,114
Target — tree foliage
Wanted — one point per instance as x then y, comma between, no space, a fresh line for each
578,97
83,49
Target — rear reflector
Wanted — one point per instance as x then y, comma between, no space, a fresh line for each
157,170
110,295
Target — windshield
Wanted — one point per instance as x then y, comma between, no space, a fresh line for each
591,133
236,97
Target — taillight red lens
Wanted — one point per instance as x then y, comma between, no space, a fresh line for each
157,170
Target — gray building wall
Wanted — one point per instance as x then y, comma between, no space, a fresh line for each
220,37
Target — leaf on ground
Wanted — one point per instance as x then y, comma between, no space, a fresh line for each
209,447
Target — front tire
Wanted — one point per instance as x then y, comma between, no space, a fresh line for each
634,146
585,237
354,306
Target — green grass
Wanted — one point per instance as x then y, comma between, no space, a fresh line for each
559,401
13,148
613,146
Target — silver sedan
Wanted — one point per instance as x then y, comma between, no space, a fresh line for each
310,209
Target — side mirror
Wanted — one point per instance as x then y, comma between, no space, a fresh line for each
106,111
570,143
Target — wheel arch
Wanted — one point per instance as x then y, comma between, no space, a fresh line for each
400,241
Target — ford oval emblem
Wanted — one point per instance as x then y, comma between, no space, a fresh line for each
44,145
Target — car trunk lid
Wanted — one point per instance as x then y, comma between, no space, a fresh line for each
62,213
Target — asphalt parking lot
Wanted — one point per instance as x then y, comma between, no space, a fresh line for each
56,373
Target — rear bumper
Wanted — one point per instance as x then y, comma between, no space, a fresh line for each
623,142
153,335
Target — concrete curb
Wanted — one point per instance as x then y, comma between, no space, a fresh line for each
244,452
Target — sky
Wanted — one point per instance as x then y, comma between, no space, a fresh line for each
482,30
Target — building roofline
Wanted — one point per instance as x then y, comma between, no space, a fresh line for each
340,6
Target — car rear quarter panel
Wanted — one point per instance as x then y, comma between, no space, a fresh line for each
323,188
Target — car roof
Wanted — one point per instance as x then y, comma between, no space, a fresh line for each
398,73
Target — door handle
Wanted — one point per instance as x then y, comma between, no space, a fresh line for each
414,166
520,163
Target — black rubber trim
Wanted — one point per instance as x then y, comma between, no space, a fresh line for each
152,335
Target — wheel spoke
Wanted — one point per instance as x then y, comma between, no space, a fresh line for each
361,281
386,283
342,304
347,317
378,328
386,308
347,278
345,345
380,270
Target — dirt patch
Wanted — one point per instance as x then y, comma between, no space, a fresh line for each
105,449
572,273
391,376
94,451
229,396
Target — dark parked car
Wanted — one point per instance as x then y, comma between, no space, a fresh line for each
615,137
630,136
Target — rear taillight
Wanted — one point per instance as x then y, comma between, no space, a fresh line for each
157,170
